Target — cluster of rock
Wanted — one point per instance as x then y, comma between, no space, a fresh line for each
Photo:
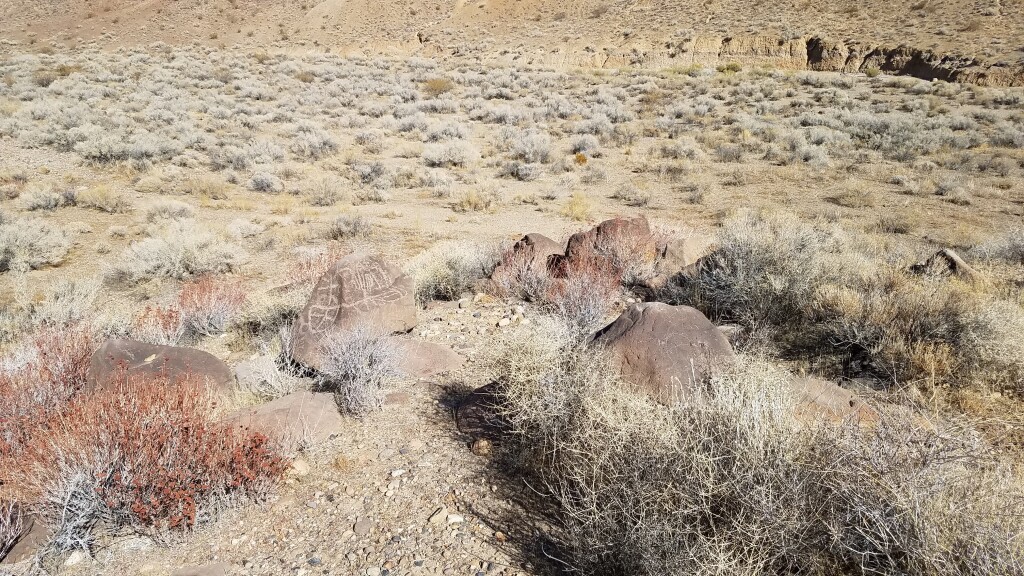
613,245
661,350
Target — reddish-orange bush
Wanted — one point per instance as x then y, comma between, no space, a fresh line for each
147,455
159,325
55,363
208,304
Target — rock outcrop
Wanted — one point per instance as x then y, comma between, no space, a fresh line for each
359,290
664,350
298,418
118,362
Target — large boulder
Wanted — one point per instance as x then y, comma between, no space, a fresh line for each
33,538
531,252
120,361
359,290
298,418
664,350
675,257
618,237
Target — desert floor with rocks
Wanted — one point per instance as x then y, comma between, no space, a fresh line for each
851,246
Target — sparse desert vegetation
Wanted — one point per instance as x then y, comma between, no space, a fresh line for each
242,293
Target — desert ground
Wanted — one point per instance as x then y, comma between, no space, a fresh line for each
201,181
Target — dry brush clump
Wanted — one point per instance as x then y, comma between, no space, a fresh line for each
178,250
357,367
146,456
733,483
30,243
818,288
449,269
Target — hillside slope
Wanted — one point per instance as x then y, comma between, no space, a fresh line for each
650,33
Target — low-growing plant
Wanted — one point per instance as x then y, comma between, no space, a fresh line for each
357,366
349,226
105,199
146,456
209,304
734,483
29,244
449,269
180,251
578,207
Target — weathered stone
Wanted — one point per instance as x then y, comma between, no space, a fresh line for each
305,417
359,290
120,361
819,399
662,350
947,262
677,256
422,359
618,235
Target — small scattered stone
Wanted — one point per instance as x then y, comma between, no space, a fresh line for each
363,526
500,537
482,447
455,519
438,516
299,467
504,322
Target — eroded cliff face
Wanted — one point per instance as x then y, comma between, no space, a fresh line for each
794,54
837,56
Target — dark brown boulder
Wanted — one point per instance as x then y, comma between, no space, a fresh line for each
120,361
358,290
298,418
525,261
618,238
663,350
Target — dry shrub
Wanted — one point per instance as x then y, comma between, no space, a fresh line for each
12,525
733,484
40,377
583,293
436,86
1008,247
207,305
30,244
449,269
178,250
578,207
357,366
162,325
147,456
310,265
819,290
104,199
520,275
